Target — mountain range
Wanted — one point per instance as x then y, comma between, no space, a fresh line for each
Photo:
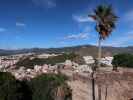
81,50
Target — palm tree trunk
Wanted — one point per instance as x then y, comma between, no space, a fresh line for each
99,52
99,92
93,86
99,64
106,92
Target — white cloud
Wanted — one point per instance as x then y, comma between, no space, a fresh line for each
82,18
120,41
87,29
20,24
129,16
78,36
2,29
45,3
61,42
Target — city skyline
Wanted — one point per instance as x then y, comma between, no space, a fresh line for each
60,23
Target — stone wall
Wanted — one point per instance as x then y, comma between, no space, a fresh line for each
108,86
115,85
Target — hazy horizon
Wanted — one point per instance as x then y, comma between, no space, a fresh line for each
62,47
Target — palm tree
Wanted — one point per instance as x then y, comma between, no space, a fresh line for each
105,20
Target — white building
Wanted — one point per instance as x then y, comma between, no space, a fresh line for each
88,59
83,68
107,61
44,55
68,63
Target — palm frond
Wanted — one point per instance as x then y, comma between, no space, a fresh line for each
105,18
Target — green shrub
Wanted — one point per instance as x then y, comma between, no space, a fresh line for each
123,60
9,87
44,86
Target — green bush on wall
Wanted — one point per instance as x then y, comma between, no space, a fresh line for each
123,60
10,88
43,87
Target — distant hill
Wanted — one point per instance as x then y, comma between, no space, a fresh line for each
81,50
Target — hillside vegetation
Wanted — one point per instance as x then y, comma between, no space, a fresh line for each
43,87
123,60
30,63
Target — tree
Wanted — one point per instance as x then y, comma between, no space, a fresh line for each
43,87
9,87
50,87
122,60
105,19
105,22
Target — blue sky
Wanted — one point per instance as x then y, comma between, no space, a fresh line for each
59,23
